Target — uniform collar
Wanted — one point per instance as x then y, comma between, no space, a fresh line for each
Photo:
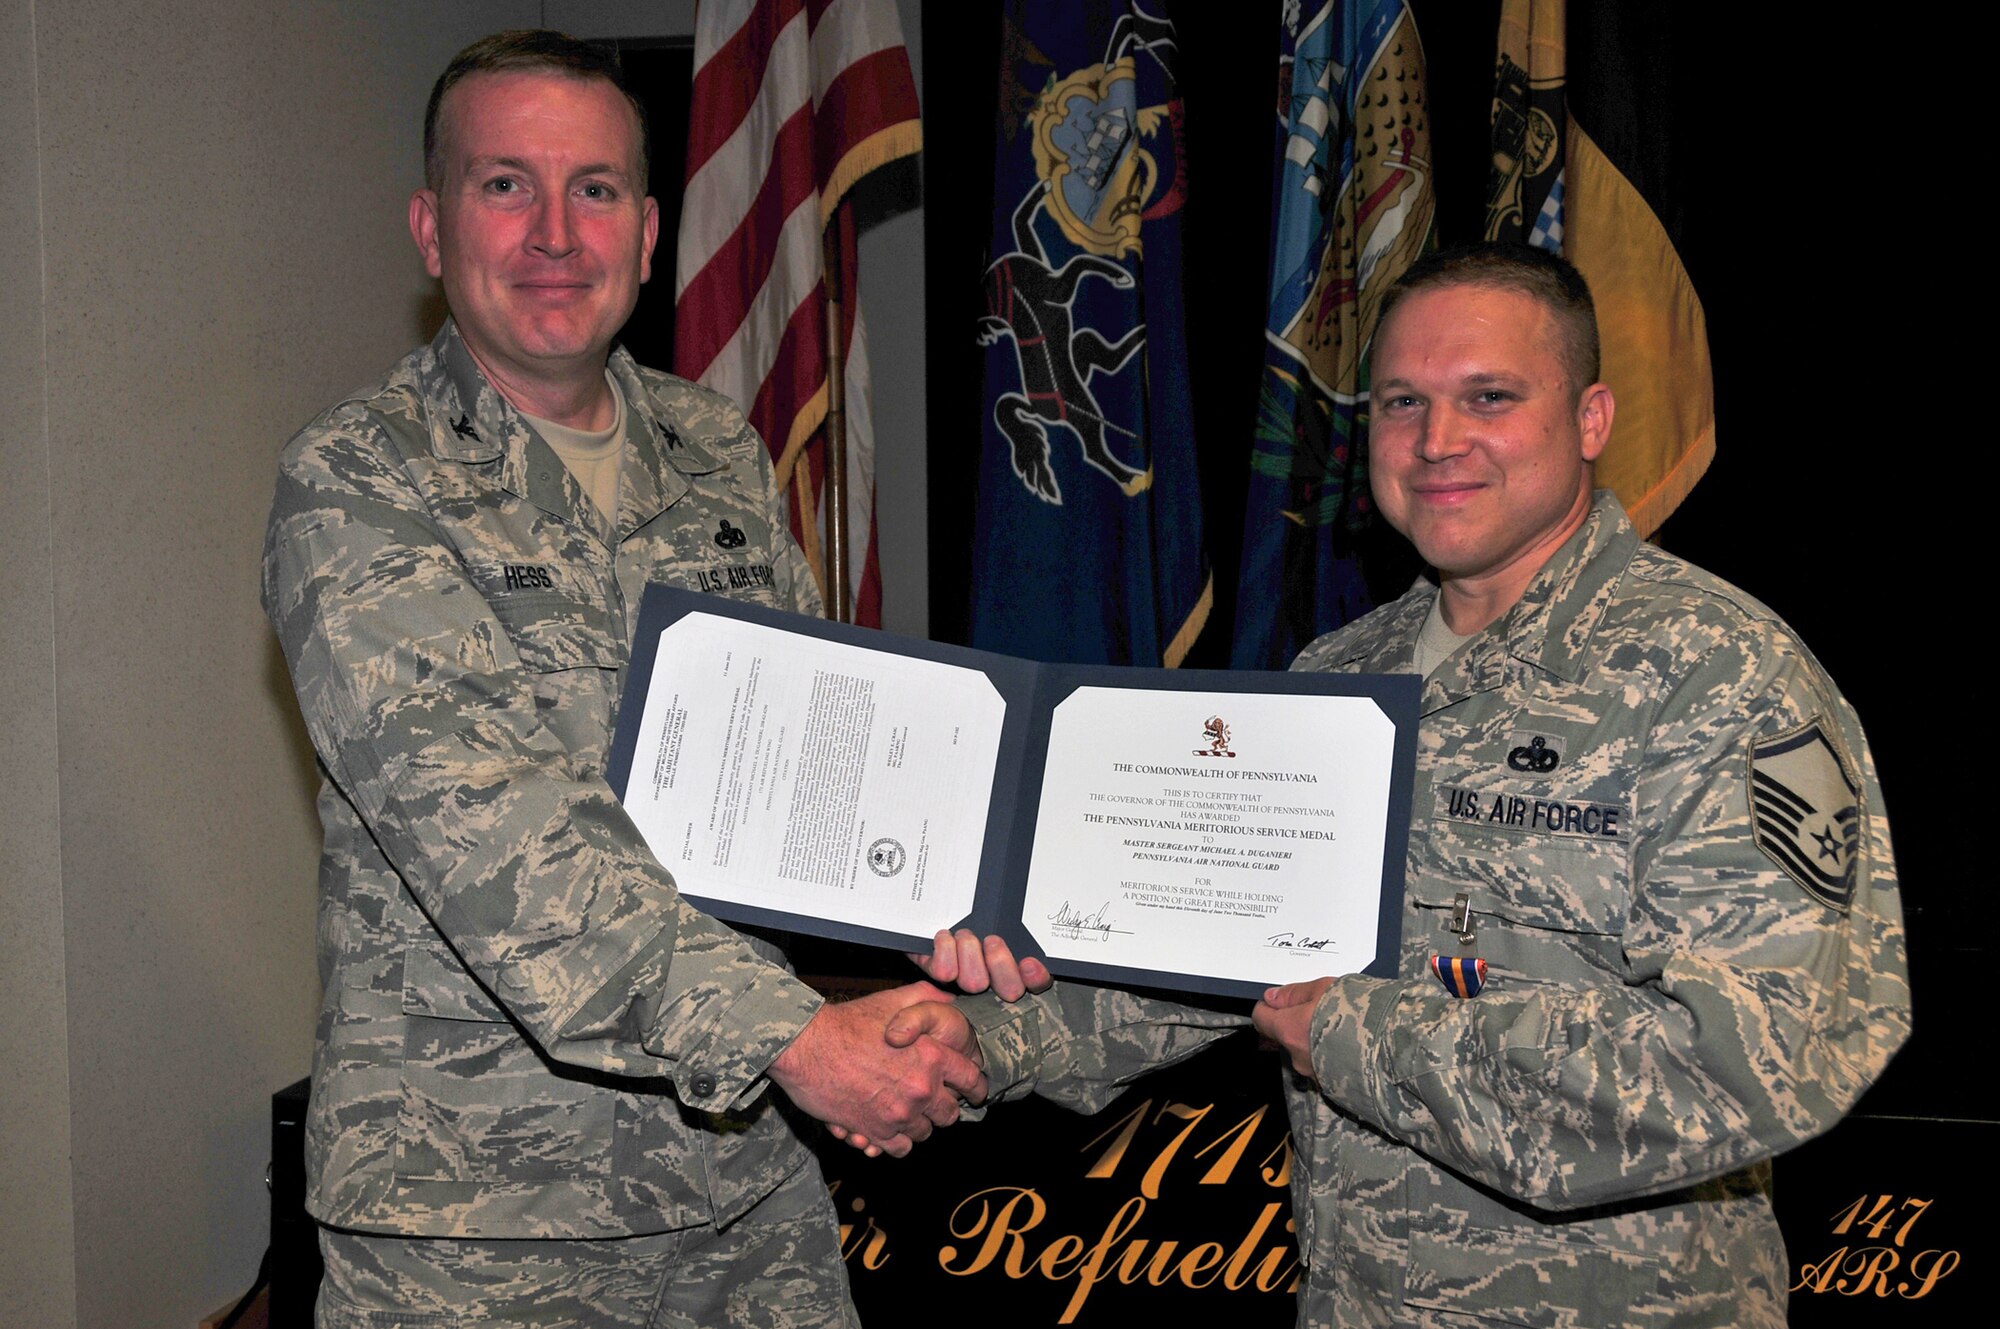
1550,627
659,458
1388,646
1559,613
471,422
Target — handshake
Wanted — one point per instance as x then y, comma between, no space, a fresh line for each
884,1070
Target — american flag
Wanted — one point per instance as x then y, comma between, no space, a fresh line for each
794,101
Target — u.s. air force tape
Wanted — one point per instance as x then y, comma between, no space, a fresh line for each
1534,816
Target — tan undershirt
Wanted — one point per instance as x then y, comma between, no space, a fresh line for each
594,456
1436,641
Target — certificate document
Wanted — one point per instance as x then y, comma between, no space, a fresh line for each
796,775
1254,854
1201,831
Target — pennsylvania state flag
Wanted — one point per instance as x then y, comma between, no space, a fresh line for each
1353,210
1577,169
1088,541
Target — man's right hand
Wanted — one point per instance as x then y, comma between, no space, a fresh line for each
938,1022
843,1070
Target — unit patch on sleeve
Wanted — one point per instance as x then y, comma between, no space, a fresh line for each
1805,809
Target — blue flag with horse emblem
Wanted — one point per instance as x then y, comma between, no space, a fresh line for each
1088,542
1353,211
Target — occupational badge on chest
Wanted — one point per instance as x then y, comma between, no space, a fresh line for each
1535,754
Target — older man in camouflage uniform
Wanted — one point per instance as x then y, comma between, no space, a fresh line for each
1643,815
540,1076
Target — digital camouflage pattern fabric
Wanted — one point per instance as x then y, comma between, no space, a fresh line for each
526,1032
1666,1007
774,1273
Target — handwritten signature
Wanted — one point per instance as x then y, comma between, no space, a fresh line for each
1292,941
1095,921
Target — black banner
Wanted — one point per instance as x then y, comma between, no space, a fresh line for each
1175,1201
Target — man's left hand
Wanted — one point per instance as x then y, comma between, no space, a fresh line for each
975,964
1285,1017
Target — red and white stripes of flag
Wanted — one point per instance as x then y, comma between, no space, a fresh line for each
794,101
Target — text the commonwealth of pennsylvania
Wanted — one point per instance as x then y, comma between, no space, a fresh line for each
1213,772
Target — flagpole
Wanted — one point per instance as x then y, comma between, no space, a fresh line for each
839,607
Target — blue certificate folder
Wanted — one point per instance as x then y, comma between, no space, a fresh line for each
1032,691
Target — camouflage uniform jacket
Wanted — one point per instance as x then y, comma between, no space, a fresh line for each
526,1032
1583,1143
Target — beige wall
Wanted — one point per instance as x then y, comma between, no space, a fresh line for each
37,1210
201,246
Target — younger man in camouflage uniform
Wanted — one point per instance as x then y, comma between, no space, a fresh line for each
539,1087
1639,801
